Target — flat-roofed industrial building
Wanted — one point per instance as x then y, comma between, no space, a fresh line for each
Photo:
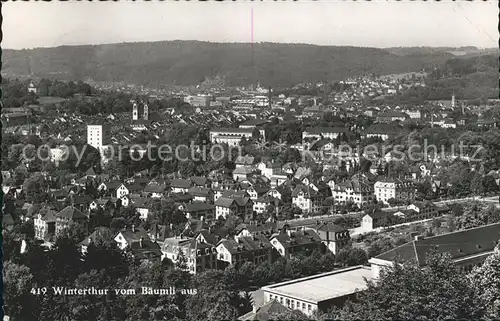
320,291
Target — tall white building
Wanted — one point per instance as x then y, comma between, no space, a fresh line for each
97,136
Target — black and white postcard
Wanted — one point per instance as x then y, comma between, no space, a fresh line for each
250,160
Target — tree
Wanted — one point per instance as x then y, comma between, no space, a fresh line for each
490,185
476,184
223,309
18,299
437,291
292,315
485,281
357,257
216,298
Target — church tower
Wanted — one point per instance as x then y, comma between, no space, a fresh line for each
135,111
146,112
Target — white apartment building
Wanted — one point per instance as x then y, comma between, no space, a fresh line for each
97,136
396,189
352,191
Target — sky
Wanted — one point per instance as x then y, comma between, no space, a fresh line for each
379,23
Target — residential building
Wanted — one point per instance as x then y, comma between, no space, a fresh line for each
257,191
352,191
201,194
180,185
70,215
246,161
307,199
333,236
289,243
256,249
45,224
270,169
136,243
253,229
200,255
126,237
399,190
234,206
198,211
262,203
91,239
241,174
155,189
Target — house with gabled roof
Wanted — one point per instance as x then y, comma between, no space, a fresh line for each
81,202
155,189
262,203
234,206
307,199
253,229
199,255
101,203
244,161
257,191
199,181
240,174
91,239
238,250
136,243
290,243
180,185
198,210
115,188
141,206
126,237
68,216
333,236
201,194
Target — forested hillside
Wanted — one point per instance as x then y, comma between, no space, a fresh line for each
190,62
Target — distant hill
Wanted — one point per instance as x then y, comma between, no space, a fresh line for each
192,62
459,51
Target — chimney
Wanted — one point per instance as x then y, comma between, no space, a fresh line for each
140,242
133,228
171,226
201,218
